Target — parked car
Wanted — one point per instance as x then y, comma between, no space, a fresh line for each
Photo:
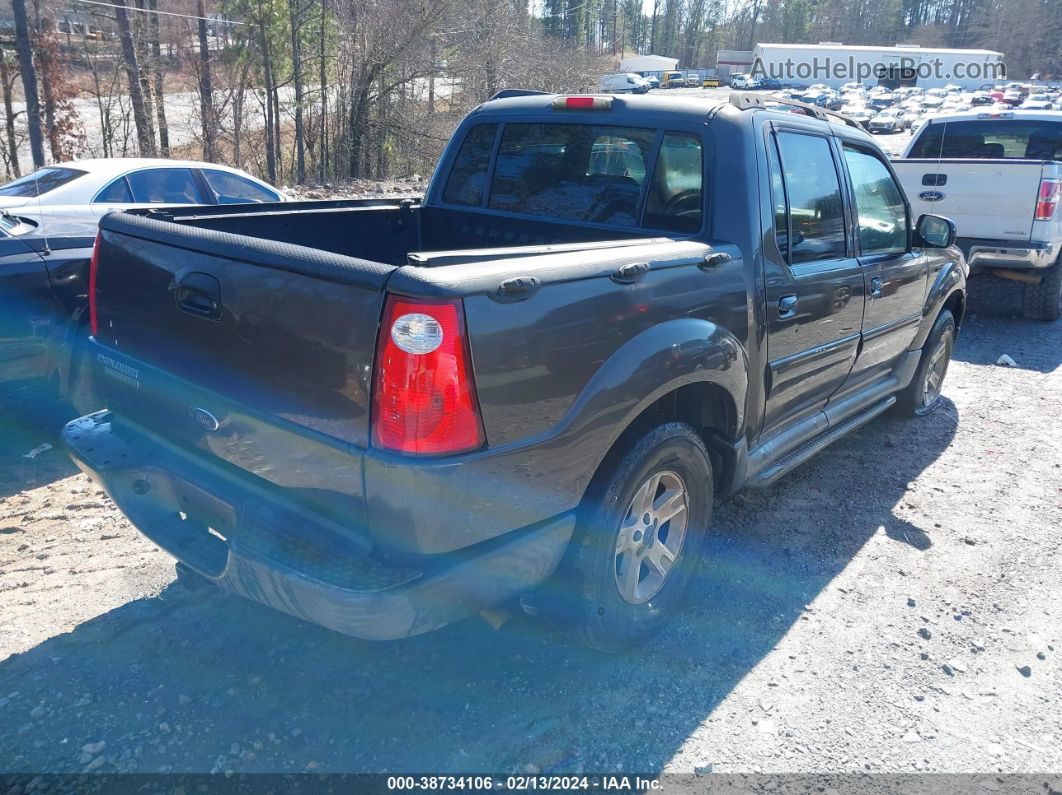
93,188
626,83
387,416
744,82
44,270
711,82
999,176
654,82
888,121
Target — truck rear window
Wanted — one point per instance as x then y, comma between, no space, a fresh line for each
992,139
583,172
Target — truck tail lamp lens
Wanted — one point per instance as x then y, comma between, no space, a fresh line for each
94,265
582,103
1047,199
424,397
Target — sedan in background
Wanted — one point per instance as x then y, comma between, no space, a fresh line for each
93,188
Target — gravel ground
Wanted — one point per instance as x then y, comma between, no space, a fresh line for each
894,605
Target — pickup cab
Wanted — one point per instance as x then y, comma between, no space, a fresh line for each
998,176
606,314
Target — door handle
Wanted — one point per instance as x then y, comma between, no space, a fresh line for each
787,306
199,294
877,287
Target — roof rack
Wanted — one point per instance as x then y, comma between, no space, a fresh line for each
505,93
745,100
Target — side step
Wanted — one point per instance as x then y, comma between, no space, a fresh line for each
799,455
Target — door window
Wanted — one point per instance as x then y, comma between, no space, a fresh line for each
882,216
816,210
164,186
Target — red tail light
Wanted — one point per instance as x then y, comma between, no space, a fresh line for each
424,398
1047,199
94,264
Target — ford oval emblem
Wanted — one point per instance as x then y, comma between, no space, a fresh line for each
206,419
931,195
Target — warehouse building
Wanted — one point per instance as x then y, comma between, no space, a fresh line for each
835,64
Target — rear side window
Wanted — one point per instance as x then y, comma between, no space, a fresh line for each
234,189
674,202
816,211
117,191
578,172
468,178
164,186
991,139
40,181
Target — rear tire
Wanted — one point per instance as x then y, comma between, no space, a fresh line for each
625,577
923,395
1043,301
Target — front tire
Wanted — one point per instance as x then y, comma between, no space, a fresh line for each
638,542
1043,301
923,395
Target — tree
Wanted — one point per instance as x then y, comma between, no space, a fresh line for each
295,16
144,133
29,81
206,92
156,68
11,155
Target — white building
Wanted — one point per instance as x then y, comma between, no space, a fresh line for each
647,63
835,64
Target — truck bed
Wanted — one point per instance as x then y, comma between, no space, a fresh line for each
226,338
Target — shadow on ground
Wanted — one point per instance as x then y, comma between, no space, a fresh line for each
201,682
31,419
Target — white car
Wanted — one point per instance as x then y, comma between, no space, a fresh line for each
97,187
743,81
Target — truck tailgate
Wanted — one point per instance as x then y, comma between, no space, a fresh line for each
993,199
256,353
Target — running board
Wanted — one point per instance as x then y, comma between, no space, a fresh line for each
799,455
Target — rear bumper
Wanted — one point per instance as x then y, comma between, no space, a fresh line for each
252,540
1004,254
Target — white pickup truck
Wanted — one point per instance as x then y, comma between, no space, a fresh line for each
998,176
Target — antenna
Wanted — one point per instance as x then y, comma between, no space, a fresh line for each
40,212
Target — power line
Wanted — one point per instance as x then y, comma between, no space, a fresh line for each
167,13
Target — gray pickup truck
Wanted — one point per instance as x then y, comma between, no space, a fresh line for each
606,314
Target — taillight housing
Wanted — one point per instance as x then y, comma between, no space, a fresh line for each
1047,199
424,396
94,265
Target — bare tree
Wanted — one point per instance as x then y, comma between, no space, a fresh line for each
159,75
145,138
11,155
206,92
29,81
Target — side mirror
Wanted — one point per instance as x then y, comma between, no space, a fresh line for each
934,231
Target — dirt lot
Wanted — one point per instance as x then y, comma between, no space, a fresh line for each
894,605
